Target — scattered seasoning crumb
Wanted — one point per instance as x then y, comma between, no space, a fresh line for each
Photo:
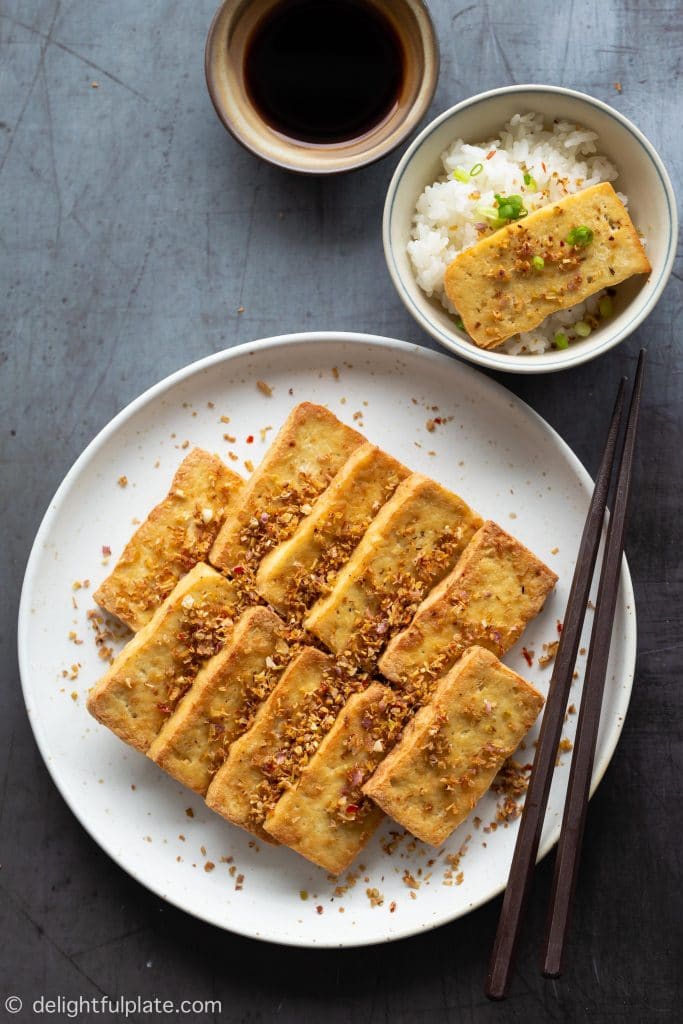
571,710
590,606
210,405
106,551
566,745
133,786
582,650
553,551
617,86
357,415
264,388
239,883
335,373
410,880
240,309
249,465
224,419
181,837
528,656
263,431
185,444
122,481
230,438
431,426
512,515
189,812
209,866
74,695
319,909
342,910
202,850
559,625
303,894
392,906
549,652
233,457
96,85
375,897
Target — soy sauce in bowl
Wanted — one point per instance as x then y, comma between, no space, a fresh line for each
324,71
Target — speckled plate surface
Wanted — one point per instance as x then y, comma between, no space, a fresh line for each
492,449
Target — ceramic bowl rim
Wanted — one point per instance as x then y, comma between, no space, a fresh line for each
364,158
574,356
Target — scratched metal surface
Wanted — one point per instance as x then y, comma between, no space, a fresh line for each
133,228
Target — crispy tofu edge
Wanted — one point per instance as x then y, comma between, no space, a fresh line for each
402,757
108,594
99,696
478,336
194,706
267,715
282,822
281,559
301,413
366,550
396,658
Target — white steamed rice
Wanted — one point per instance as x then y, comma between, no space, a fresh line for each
561,160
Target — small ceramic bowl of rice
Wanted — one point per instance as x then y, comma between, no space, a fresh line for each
536,144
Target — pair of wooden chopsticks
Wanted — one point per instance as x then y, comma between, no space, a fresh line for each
571,836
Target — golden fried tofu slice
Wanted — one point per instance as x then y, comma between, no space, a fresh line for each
222,701
497,289
287,730
412,543
297,572
153,671
325,816
453,748
310,448
495,589
176,535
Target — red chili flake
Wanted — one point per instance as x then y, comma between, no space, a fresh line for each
319,909
559,626
165,709
106,550
352,809
489,155
250,439
527,657
437,419
238,570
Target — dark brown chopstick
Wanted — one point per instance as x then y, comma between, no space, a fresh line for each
576,805
528,837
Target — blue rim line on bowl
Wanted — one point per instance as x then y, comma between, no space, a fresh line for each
516,364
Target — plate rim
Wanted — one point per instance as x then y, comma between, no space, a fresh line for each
156,390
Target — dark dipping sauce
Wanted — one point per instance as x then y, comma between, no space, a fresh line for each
324,71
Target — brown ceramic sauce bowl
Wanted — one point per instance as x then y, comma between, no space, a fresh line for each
229,38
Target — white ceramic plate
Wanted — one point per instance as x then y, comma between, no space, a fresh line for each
495,451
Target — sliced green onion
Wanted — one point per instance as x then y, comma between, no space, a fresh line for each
530,181
459,324
538,262
477,169
580,236
606,306
582,329
488,213
510,207
460,174
561,340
